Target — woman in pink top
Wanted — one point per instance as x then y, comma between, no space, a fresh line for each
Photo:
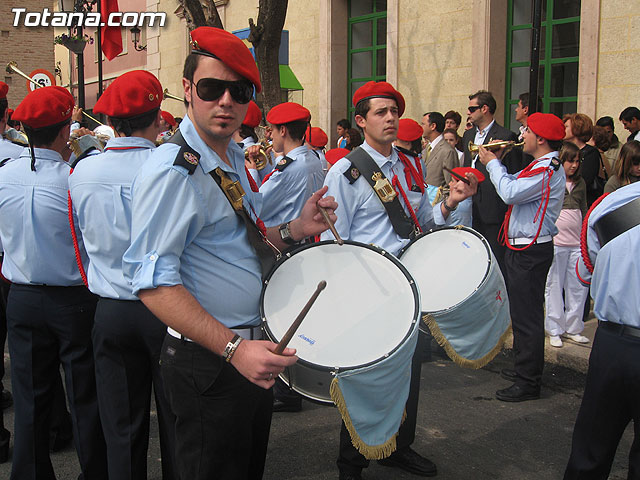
564,315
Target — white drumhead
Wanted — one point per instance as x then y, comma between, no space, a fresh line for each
367,309
448,265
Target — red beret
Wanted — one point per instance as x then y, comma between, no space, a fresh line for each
462,171
227,48
316,137
379,90
409,130
45,107
335,154
253,116
130,95
168,118
287,112
4,88
546,125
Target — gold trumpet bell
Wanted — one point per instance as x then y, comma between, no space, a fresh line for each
261,162
507,144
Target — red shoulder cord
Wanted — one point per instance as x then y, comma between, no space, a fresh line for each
410,172
76,247
528,172
254,188
584,250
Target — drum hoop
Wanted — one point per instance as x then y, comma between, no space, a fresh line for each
466,229
417,313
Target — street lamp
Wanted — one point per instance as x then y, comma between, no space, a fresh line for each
135,37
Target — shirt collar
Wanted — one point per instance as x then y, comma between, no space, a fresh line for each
484,132
129,142
378,157
436,141
42,154
302,149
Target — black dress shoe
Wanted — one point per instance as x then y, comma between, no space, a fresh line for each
6,399
509,374
410,461
517,393
350,476
287,406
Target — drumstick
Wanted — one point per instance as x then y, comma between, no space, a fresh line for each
459,177
332,227
282,344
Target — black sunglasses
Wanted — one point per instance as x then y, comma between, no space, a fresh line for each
473,108
210,89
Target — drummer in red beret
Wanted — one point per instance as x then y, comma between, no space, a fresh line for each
316,140
409,141
197,256
534,196
100,192
247,139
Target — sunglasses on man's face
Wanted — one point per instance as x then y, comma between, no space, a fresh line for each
210,89
473,108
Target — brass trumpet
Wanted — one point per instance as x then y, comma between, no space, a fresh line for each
507,144
166,94
263,158
12,67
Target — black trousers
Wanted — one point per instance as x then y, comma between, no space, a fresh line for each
526,278
222,419
611,400
48,326
127,341
349,458
490,231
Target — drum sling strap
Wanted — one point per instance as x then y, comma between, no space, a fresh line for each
234,193
617,222
363,164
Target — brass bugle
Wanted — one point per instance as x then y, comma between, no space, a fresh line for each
262,159
166,94
12,67
508,144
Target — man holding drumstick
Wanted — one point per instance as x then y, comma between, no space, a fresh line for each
191,263
373,214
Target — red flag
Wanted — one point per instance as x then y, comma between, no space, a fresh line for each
111,36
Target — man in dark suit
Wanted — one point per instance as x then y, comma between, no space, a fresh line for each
488,207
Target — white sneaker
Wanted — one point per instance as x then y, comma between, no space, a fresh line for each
554,341
576,337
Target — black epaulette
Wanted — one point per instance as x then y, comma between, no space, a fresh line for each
187,157
352,174
555,163
4,161
283,163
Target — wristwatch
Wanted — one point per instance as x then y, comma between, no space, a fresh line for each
285,234
231,347
447,207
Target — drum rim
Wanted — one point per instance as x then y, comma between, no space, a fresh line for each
455,227
417,313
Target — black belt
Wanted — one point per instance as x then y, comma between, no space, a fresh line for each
619,329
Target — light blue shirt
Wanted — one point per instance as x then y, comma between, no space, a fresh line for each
361,215
9,149
185,232
616,276
285,193
525,194
100,187
34,222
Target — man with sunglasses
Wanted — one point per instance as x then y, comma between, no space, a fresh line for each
196,260
488,208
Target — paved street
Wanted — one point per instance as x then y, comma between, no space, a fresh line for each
461,427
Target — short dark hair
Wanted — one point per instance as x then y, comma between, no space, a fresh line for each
4,104
453,115
554,144
45,136
344,123
629,114
485,97
568,151
438,119
246,131
524,99
127,126
296,129
606,122
189,70
362,108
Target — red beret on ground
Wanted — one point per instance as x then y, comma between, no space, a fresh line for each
376,90
167,117
45,107
409,130
130,95
227,48
4,88
253,116
546,125
316,137
462,171
287,112
335,154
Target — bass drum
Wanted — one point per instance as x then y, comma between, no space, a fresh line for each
464,297
368,310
